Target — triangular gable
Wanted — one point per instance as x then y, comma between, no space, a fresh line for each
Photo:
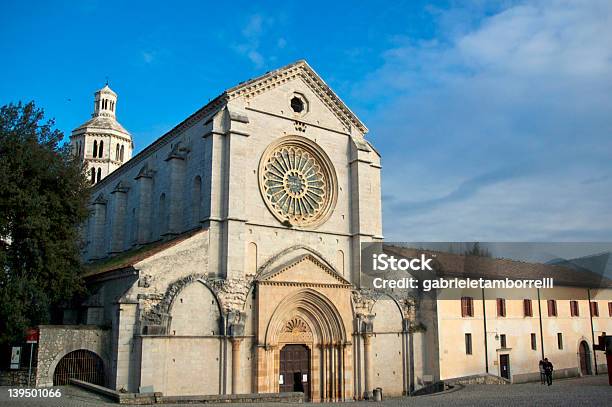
306,269
311,78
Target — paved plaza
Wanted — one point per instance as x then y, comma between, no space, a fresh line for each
588,391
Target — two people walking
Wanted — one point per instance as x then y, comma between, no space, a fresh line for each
546,371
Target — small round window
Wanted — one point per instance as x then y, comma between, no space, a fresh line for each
297,104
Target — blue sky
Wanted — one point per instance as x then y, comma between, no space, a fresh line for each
494,119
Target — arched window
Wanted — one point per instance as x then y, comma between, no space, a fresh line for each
121,154
101,149
95,149
162,214
99,174
93,176
117,152
196,200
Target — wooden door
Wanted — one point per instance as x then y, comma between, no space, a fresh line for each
585,360
295,369
504,365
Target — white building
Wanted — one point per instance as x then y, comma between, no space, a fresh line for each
101,142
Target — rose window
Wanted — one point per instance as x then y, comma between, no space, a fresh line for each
297,182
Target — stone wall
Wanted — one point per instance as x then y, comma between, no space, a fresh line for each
477,379
58,340
17,378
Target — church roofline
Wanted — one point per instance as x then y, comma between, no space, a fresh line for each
207,110
131,257
221,101
325,92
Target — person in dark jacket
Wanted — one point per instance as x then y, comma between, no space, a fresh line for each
548,371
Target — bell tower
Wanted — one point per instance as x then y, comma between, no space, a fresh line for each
101,143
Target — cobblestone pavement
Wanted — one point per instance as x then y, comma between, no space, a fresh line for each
589,391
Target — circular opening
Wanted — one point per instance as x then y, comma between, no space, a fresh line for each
297,182
297,104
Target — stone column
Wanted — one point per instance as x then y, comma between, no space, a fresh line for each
332,371
235,364
120,208
145,191
367,357
341,372
324,367
176,162
99,208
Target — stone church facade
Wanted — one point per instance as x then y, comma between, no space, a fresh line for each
224,257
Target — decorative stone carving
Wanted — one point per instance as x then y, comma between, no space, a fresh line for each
296,330
232,293
408,306
145,281
179,151
364,300
100,200
121,186
300,126
298,182
236,320
296,325
145,172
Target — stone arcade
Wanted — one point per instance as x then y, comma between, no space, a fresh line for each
225,257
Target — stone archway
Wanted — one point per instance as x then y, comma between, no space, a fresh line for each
80,364
307,318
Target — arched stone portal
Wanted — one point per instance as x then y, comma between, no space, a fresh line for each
315,314
80,364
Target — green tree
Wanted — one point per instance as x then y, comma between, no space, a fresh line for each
43,200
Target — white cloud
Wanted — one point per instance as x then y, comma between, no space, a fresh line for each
147,57
256,58
253,34
495,129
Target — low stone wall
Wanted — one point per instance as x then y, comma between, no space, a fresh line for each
58,340
295,397
118,397
429,389
477,379
158,398
17,378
